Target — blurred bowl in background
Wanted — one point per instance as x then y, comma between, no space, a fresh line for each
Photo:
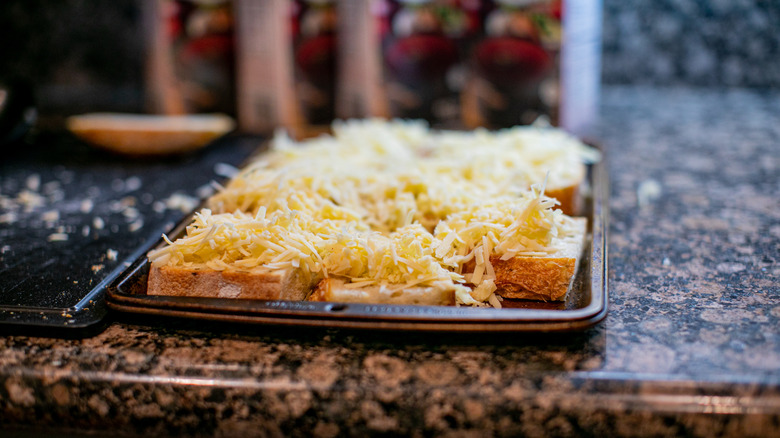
149,135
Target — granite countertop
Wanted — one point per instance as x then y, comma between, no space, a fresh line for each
691,345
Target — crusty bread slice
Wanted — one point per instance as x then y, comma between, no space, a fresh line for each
542,278
333,289
568,196
291,284
533,278
567,190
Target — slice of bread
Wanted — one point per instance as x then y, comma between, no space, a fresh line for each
334,289
568,196
546,278
541,278
291,284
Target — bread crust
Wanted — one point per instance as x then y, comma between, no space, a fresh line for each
568,193
545,279
542,278
292,284
569,197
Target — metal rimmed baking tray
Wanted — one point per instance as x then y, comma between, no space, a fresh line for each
585,305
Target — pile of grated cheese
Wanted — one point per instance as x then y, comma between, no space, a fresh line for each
390,203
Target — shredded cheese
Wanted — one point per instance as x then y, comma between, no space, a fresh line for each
390,204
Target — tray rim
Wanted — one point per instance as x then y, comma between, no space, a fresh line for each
391,316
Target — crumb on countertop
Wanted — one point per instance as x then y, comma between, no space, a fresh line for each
111,254
57,237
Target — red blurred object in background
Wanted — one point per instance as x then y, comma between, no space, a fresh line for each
508,61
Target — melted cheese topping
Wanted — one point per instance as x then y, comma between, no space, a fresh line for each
390,203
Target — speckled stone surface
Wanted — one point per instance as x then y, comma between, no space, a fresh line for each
693,42
691,346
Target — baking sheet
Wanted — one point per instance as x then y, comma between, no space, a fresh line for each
586,302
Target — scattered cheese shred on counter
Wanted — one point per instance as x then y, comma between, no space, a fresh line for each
57,237
389,203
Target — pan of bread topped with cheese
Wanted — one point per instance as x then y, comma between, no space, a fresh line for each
392,225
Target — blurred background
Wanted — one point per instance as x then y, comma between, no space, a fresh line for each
86,55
